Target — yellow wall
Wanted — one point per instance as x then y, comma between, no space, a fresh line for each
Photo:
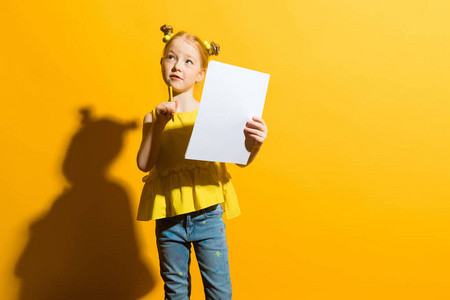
349,198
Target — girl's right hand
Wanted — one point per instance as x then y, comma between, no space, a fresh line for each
164,111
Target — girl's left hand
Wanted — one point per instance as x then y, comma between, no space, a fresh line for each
255,133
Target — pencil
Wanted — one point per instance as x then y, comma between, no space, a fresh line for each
171,98
170,94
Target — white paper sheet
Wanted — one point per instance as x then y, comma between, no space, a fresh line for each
231,96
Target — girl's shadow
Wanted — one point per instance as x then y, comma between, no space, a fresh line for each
85,246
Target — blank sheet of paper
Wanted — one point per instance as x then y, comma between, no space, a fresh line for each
231,96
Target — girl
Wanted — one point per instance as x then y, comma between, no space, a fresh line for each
185,197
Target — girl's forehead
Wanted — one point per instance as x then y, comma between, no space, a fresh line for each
181,46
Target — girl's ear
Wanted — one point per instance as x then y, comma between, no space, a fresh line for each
201,75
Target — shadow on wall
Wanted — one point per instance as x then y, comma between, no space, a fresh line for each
85,246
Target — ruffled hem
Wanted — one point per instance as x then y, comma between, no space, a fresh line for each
188,188
212,166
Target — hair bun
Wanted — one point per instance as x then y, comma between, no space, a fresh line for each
166,29
215,49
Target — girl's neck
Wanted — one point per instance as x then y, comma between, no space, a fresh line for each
186,102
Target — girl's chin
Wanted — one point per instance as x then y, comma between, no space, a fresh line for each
175,84
179,89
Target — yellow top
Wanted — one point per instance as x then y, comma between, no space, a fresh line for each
176,185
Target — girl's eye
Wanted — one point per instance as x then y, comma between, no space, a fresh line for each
189,62
170,57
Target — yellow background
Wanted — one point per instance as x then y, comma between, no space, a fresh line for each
349,198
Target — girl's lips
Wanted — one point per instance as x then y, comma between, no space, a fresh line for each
175,77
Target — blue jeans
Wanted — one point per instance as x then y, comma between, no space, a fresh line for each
205,230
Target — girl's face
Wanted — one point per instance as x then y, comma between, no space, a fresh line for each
182,66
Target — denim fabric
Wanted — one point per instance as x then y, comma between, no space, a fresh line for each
205,230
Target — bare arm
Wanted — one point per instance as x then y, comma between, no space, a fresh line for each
151,135
255,134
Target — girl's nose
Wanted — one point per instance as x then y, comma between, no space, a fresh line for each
176,66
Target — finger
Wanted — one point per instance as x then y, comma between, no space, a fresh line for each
255,132
170,107
162,107
259,120
258,140
164,114
255,125
161,110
